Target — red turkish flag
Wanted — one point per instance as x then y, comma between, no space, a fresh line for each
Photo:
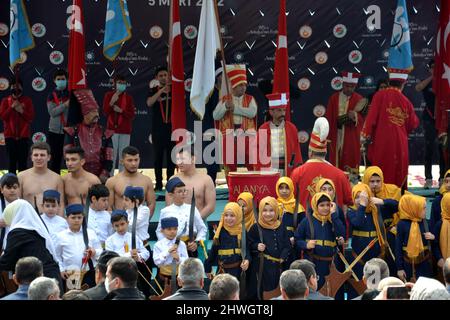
441,75
281,69
77,62
178,116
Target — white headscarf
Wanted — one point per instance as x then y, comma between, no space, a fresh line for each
20,214
429,289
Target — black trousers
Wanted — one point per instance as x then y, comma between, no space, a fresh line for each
162,145
431,146
56,142
17,150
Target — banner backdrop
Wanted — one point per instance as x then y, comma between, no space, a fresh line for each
324,38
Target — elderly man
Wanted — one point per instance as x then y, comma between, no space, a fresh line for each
224,287
43,288
375,270
191,280
91,137
293,285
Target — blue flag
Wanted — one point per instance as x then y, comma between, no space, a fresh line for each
400,50
20,36
117,28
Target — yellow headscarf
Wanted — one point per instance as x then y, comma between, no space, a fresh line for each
444,238
323,181
315,207
388,191
409,208
235,230
249,215
289,203
372,209
275,223
443,189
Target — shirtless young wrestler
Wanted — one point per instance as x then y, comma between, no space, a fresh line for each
205,190
130,177
77,181
34,181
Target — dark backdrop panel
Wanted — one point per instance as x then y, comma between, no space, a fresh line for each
249,27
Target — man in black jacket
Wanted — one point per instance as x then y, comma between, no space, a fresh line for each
191,280
121,279
99,292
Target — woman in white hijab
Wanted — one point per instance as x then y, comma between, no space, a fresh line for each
28,236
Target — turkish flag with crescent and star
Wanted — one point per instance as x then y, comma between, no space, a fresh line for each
77,53
281,69
441,75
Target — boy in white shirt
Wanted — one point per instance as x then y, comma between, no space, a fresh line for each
168,249
181,210
99,220
10,191
71,252
135,196
120,241
51,206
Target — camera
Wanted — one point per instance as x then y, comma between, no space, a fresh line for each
398,293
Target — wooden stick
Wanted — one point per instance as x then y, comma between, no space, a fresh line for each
346,264
151,274
149,283
359,257
169,66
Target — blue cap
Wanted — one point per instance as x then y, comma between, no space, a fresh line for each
169,222
172,183
119,212
51,194
134,192
74,208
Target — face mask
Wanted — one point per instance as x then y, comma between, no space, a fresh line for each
61,84
121,87
107,285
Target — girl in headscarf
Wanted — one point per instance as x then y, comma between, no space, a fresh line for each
436,205
442,233
275,245
317,235
364,221
385,197
28,236
412,252
226,247
327,186
286,200
245,200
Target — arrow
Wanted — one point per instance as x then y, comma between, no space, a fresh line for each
356,45
384,68
415,10
301,46
362,41
312,72
275,45
366,12
5,44
292,72
232,12
39,72
262,13
144,44
98,43
287,13
250,46
327,44
191,45
437,9
357,69
311,13
335,71
339,12
225,45
109,73
51,45
133,73
10,69
249,70
429,41
381,44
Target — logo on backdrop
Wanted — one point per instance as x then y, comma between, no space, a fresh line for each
156,32
303,136
4,84
339,31
336,83
190,32
56,57
304,84
319,110
39,84
305,32
321,57
355,56
3,29
38,30
39,137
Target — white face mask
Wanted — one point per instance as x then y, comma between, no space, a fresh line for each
107,282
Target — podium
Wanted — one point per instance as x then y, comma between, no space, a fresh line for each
258,183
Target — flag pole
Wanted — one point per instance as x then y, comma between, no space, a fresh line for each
222,52
169,65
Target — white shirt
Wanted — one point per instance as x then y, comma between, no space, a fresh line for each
70,249
143,220
55,225
6,227
182,214
100,222
239,111
121,244
161,255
